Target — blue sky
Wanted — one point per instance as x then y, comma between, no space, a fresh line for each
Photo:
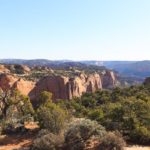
75,29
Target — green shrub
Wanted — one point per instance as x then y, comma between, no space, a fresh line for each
51,118
50,115
12,126
96,114
15,110
140,135
44,97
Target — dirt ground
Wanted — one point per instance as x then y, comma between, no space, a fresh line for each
15,142
19,141
137,148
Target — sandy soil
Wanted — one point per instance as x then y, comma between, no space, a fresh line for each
15,142
23,142
19,141
137,148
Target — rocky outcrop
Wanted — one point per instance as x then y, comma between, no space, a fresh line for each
3,69
109,80
66,88
19,69
15,69
62,87
8,81
147,81
24,86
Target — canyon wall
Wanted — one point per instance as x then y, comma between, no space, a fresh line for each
62,87
66,88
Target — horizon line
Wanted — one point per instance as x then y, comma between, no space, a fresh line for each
74,60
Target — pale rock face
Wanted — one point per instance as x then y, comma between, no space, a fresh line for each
25,68
94,83
3,69
24,86
76,87
109,80
66,88
62,87
8,81
54,84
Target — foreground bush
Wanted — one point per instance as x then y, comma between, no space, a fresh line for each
51,118
140,135
15,110
11,126
80,131
112,141
48,141
50,115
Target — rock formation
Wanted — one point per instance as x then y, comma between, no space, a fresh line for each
147,81
108,80
15,69
3,69
24,86
18,69
66,88
62,87
8,81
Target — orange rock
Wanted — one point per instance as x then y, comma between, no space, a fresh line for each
66,88
8,81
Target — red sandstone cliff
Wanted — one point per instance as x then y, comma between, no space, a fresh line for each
66,88
62,87
8,81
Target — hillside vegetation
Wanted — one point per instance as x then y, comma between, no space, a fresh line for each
103,120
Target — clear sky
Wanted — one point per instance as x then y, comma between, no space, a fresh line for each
75,29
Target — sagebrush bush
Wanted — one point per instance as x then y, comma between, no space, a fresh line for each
12,126
80,131
48,142
111,141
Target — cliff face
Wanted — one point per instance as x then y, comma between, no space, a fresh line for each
109,80
62,87
67,88
8,81
3,69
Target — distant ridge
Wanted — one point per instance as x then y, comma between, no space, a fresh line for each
127,68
